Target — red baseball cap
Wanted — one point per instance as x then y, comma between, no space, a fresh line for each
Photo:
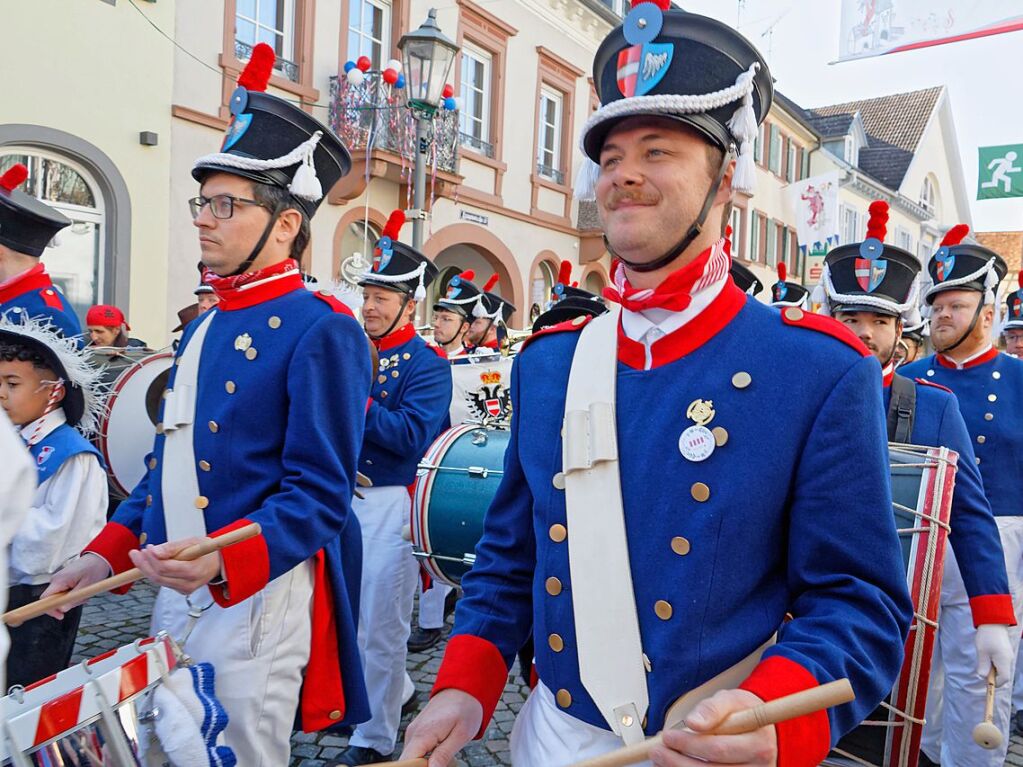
106,315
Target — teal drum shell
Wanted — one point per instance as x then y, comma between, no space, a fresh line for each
454,487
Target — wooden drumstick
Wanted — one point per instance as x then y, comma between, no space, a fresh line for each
419,761
42,606
986,734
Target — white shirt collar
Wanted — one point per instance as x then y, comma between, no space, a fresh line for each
960,364
47,424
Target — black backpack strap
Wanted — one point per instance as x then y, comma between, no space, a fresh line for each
901,410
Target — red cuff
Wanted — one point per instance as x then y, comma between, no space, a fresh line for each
322,702
993,608
475,666
246,567
113,544
806,740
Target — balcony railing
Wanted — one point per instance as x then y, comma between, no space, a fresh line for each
288,69
555,175
478,145
374,116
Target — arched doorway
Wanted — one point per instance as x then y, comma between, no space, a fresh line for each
356,232
76,265
594,279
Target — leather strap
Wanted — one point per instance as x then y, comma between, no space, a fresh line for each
610,650
901,410
179,485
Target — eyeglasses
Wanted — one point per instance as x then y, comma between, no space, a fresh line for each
221,205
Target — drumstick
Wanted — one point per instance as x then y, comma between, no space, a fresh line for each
985,734
738,722
196,550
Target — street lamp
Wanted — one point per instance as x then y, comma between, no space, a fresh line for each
427,56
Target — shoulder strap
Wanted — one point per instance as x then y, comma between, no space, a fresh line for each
901,410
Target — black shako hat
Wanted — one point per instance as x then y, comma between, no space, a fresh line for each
959,265
872,276
785,293
568,301
461,295
26,225
272,141
397,266
744,278
666,62
1014,307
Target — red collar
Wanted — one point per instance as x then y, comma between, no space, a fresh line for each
395,338
987,356
690,336
675,292
887,374
35,278
245,290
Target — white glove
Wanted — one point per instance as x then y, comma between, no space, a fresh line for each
994,648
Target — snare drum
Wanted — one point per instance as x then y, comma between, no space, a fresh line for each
128,427
90,714
922,482
454,487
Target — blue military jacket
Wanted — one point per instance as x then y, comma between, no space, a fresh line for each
279,415
974,535
790,515
34,295
408,407
990,394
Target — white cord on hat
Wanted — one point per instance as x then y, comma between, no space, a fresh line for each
743,125
480,310
419,271
825,294
304,184
990,283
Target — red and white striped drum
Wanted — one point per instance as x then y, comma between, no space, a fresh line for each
88,715
922,483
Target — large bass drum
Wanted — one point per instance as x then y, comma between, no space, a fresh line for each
457,480
128,427
922,482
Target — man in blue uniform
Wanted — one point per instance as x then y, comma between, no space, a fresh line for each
785,293
664,505
1012,330
262,422
407,409
568,301
871,287
452,314
27,228
961,299
490,315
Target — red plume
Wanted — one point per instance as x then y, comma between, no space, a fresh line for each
782,271
877,226
575,284
257,72
14,177
490,283
1021,278
394,224
565,272
662,4
955,235
468,275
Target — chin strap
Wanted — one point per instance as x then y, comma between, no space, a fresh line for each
244,265
969,330
390,328
445,343
694,230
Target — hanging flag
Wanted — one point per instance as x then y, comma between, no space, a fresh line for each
879,27
814,204
1000,172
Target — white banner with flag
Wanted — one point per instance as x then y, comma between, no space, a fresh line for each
878,27
814,202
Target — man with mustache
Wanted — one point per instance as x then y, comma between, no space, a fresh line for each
664,505
871,287
961,299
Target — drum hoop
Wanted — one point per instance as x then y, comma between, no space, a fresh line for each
115,391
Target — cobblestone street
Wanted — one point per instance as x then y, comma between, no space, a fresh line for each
111,621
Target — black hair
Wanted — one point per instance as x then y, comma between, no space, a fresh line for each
16,352
274,196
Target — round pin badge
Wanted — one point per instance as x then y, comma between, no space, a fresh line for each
696,443
643,24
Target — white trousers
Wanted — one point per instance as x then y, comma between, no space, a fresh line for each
956,695
385,611
259,649
431,605
545,736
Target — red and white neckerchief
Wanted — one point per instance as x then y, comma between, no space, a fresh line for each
887,374
979,358
48,421
223,286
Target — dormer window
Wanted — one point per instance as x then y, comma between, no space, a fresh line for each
852,150
929,196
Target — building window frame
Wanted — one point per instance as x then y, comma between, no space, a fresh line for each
282,31
756,237
555,75
475,128
550,116
384,41
792,160
774,151
851,224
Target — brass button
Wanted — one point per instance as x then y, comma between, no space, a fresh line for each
977,460
324,292
205,465
149,500
992,398
383,395
556,643
558,481
406,356
394,374
202,502
577,321
564,697
335,715
229,387
720,435
741,380
274,322
553,586
794,314
680,545
700,492
250,353
142,539
214,427
930,373
381,379
159,428
996,375
152,462
989,416
558,533
662,609
981,439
